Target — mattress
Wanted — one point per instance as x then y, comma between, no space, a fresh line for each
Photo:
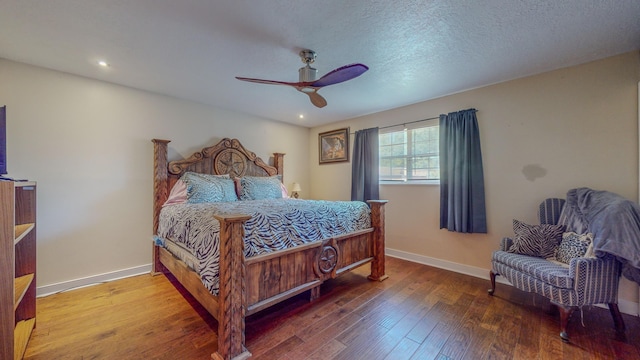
182,253
275,224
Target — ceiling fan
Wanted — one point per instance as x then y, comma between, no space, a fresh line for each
307,82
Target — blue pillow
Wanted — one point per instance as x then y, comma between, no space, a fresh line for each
203,188
258,188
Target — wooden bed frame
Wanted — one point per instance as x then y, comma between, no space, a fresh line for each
250,285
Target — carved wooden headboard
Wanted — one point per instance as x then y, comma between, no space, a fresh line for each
226,157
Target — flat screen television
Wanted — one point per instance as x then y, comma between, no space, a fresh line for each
3,140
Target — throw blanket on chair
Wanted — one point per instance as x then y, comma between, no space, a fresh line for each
614,222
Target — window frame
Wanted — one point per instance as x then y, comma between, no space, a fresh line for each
408,165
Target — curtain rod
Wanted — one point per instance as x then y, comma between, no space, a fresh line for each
405,123
412,122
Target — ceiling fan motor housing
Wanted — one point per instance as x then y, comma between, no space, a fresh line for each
307,73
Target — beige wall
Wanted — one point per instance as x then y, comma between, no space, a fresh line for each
88,145
568,128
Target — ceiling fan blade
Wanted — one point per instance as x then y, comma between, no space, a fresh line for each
316,99
341,74
303,87
268,82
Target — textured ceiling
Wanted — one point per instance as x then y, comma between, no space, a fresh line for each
416,50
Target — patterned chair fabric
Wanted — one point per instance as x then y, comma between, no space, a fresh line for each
534,267
585,281
550,210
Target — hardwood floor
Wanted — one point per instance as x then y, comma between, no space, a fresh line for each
420,312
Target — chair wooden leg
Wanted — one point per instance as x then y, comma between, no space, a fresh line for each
492,275
565,314
617,317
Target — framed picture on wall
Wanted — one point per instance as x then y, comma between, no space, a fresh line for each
333,146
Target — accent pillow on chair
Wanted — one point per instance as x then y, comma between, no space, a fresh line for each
574,246
536,240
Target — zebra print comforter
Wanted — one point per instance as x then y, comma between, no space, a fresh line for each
275,224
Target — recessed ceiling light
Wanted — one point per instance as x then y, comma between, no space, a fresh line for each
301,116
103,63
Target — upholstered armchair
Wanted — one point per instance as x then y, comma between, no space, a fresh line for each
583,281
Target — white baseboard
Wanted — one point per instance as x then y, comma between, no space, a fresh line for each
442,264
626,306
91,280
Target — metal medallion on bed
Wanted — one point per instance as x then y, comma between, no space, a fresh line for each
227,231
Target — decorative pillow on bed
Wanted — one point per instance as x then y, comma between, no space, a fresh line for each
573,246
536,240
285,193
178,194
258,188
238,184
203,188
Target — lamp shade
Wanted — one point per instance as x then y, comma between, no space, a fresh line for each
295,187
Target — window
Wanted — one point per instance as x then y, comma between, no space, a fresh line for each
410,154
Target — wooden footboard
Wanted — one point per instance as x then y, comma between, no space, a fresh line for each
250,285
253,284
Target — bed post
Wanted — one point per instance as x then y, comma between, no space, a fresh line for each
278,163
232,297
160,193
377,222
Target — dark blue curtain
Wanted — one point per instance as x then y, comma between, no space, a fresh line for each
462,206
365,166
